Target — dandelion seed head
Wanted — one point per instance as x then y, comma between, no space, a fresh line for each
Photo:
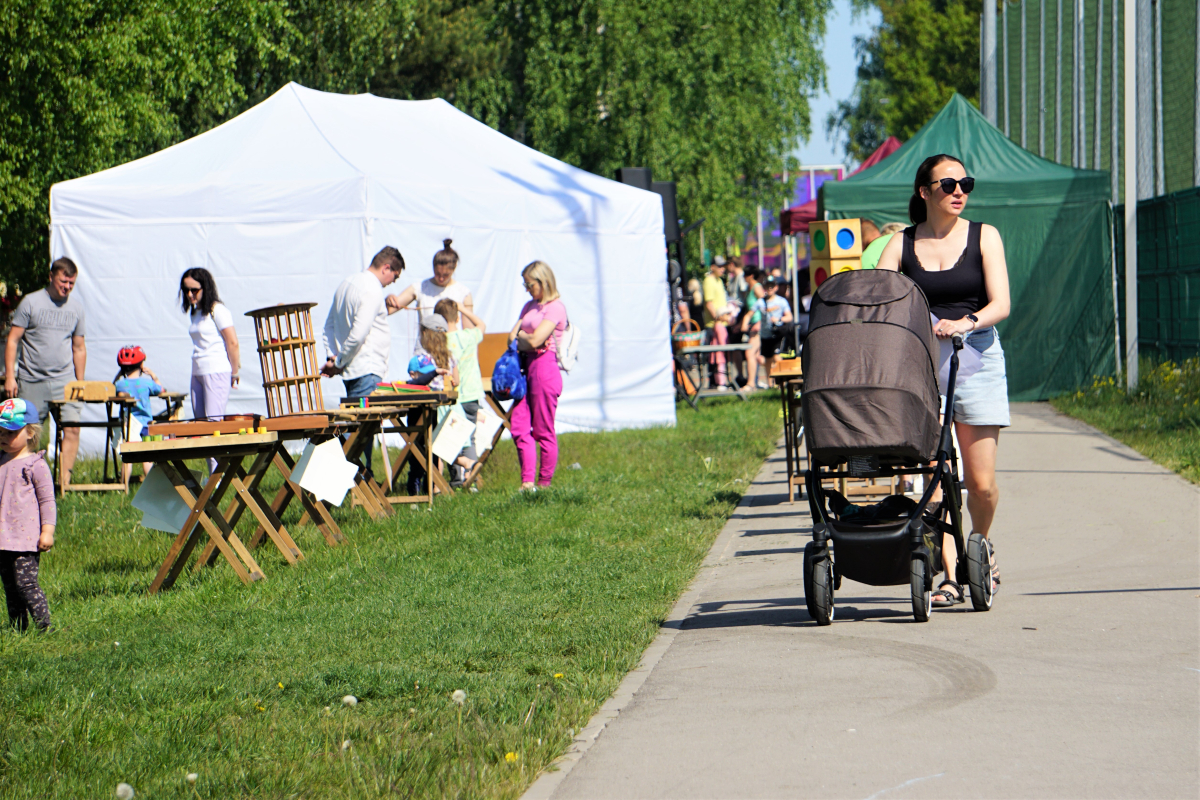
350,700
459,697
124,791
345,745
192,777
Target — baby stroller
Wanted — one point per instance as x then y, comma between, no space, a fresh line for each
870,409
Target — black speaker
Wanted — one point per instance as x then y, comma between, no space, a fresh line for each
666,190
635,176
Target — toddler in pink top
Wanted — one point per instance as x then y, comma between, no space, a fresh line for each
27,513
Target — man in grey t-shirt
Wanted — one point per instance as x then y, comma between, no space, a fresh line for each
47,330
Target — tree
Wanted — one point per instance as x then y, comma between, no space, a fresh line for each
922,52
90,84
712,94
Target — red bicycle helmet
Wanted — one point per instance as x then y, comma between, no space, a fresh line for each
130,356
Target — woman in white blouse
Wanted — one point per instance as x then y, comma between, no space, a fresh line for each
442,286
216,356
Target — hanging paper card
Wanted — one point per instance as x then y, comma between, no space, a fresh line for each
452,435
161,506
324,471
486,425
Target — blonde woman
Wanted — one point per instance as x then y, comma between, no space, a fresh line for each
537,333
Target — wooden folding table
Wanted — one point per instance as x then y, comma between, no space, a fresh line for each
411,415
787,376
204,500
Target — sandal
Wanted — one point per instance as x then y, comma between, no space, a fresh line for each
995,566
942,598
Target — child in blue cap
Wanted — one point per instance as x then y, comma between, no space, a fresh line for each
27,513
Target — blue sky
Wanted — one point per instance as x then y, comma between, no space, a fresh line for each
840,65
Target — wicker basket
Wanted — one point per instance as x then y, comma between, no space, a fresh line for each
686,338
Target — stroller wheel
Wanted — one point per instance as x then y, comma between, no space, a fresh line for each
818,585
979,571
922,600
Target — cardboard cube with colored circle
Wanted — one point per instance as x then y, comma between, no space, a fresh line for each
836,238
819,269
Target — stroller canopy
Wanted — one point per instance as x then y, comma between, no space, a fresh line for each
870,370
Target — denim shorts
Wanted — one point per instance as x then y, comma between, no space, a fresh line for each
983,398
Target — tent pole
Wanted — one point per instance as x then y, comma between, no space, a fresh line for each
1058,87
1042,78
1099,80
1024,93
987,89
761,262
1160,182
1114,157
1077,84
1004,25
1131,197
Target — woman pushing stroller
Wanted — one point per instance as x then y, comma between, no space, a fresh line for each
960,267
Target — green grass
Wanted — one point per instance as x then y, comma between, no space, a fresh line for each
535,605
1161,420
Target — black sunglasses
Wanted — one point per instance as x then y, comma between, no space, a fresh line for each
948,184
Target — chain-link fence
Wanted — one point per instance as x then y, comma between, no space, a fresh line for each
1060,86
1168,274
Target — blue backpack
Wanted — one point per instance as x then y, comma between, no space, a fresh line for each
507,381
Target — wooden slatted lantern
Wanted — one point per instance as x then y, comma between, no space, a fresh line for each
287,351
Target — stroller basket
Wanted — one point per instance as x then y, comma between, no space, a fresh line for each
870,371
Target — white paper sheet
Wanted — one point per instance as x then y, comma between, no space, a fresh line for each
324,471
452,434
486,425
161,506
970,361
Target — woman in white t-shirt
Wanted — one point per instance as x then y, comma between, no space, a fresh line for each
442,286
216,356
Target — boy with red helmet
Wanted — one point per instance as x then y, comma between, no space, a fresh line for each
138,382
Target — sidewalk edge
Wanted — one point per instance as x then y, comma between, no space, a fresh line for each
545,785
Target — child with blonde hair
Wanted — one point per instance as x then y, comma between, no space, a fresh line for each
464,347
27,513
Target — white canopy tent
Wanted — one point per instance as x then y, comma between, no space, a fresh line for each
284,201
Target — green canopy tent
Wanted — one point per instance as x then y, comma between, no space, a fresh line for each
1056,223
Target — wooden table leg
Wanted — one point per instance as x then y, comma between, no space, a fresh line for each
435,475
247,497
189,535
211,518
314,510
365,490
473,476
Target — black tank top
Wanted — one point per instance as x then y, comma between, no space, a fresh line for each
952,293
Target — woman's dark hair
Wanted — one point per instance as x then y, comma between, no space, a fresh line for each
917,211
446,257
208,291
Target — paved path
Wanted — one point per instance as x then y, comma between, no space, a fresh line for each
1083,681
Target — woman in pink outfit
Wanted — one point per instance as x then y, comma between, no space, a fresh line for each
537,333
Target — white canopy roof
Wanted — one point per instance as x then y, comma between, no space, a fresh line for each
286,200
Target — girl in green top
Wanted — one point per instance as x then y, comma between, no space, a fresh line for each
464,347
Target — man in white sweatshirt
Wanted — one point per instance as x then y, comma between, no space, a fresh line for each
357,337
